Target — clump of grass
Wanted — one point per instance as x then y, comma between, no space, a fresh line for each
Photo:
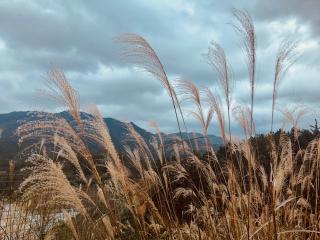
151,196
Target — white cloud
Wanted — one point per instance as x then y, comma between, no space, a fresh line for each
308,45
2,45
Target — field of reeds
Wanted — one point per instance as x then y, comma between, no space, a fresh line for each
235,193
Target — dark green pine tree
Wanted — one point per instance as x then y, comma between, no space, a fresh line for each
314,128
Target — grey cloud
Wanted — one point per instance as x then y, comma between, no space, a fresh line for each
78,37
306,11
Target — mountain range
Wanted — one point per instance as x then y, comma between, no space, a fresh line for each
9,123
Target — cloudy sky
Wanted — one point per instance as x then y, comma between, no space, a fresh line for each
77,36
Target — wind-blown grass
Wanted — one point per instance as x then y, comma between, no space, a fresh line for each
150,195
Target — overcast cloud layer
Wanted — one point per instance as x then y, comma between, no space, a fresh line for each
77,36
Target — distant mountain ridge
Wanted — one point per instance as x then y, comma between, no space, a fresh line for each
9,123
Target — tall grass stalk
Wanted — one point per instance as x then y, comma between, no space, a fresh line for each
246,29
218,61
284,60
139,52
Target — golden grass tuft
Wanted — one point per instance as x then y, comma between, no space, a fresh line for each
146,194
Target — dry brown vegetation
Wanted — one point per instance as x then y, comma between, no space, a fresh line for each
187,197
